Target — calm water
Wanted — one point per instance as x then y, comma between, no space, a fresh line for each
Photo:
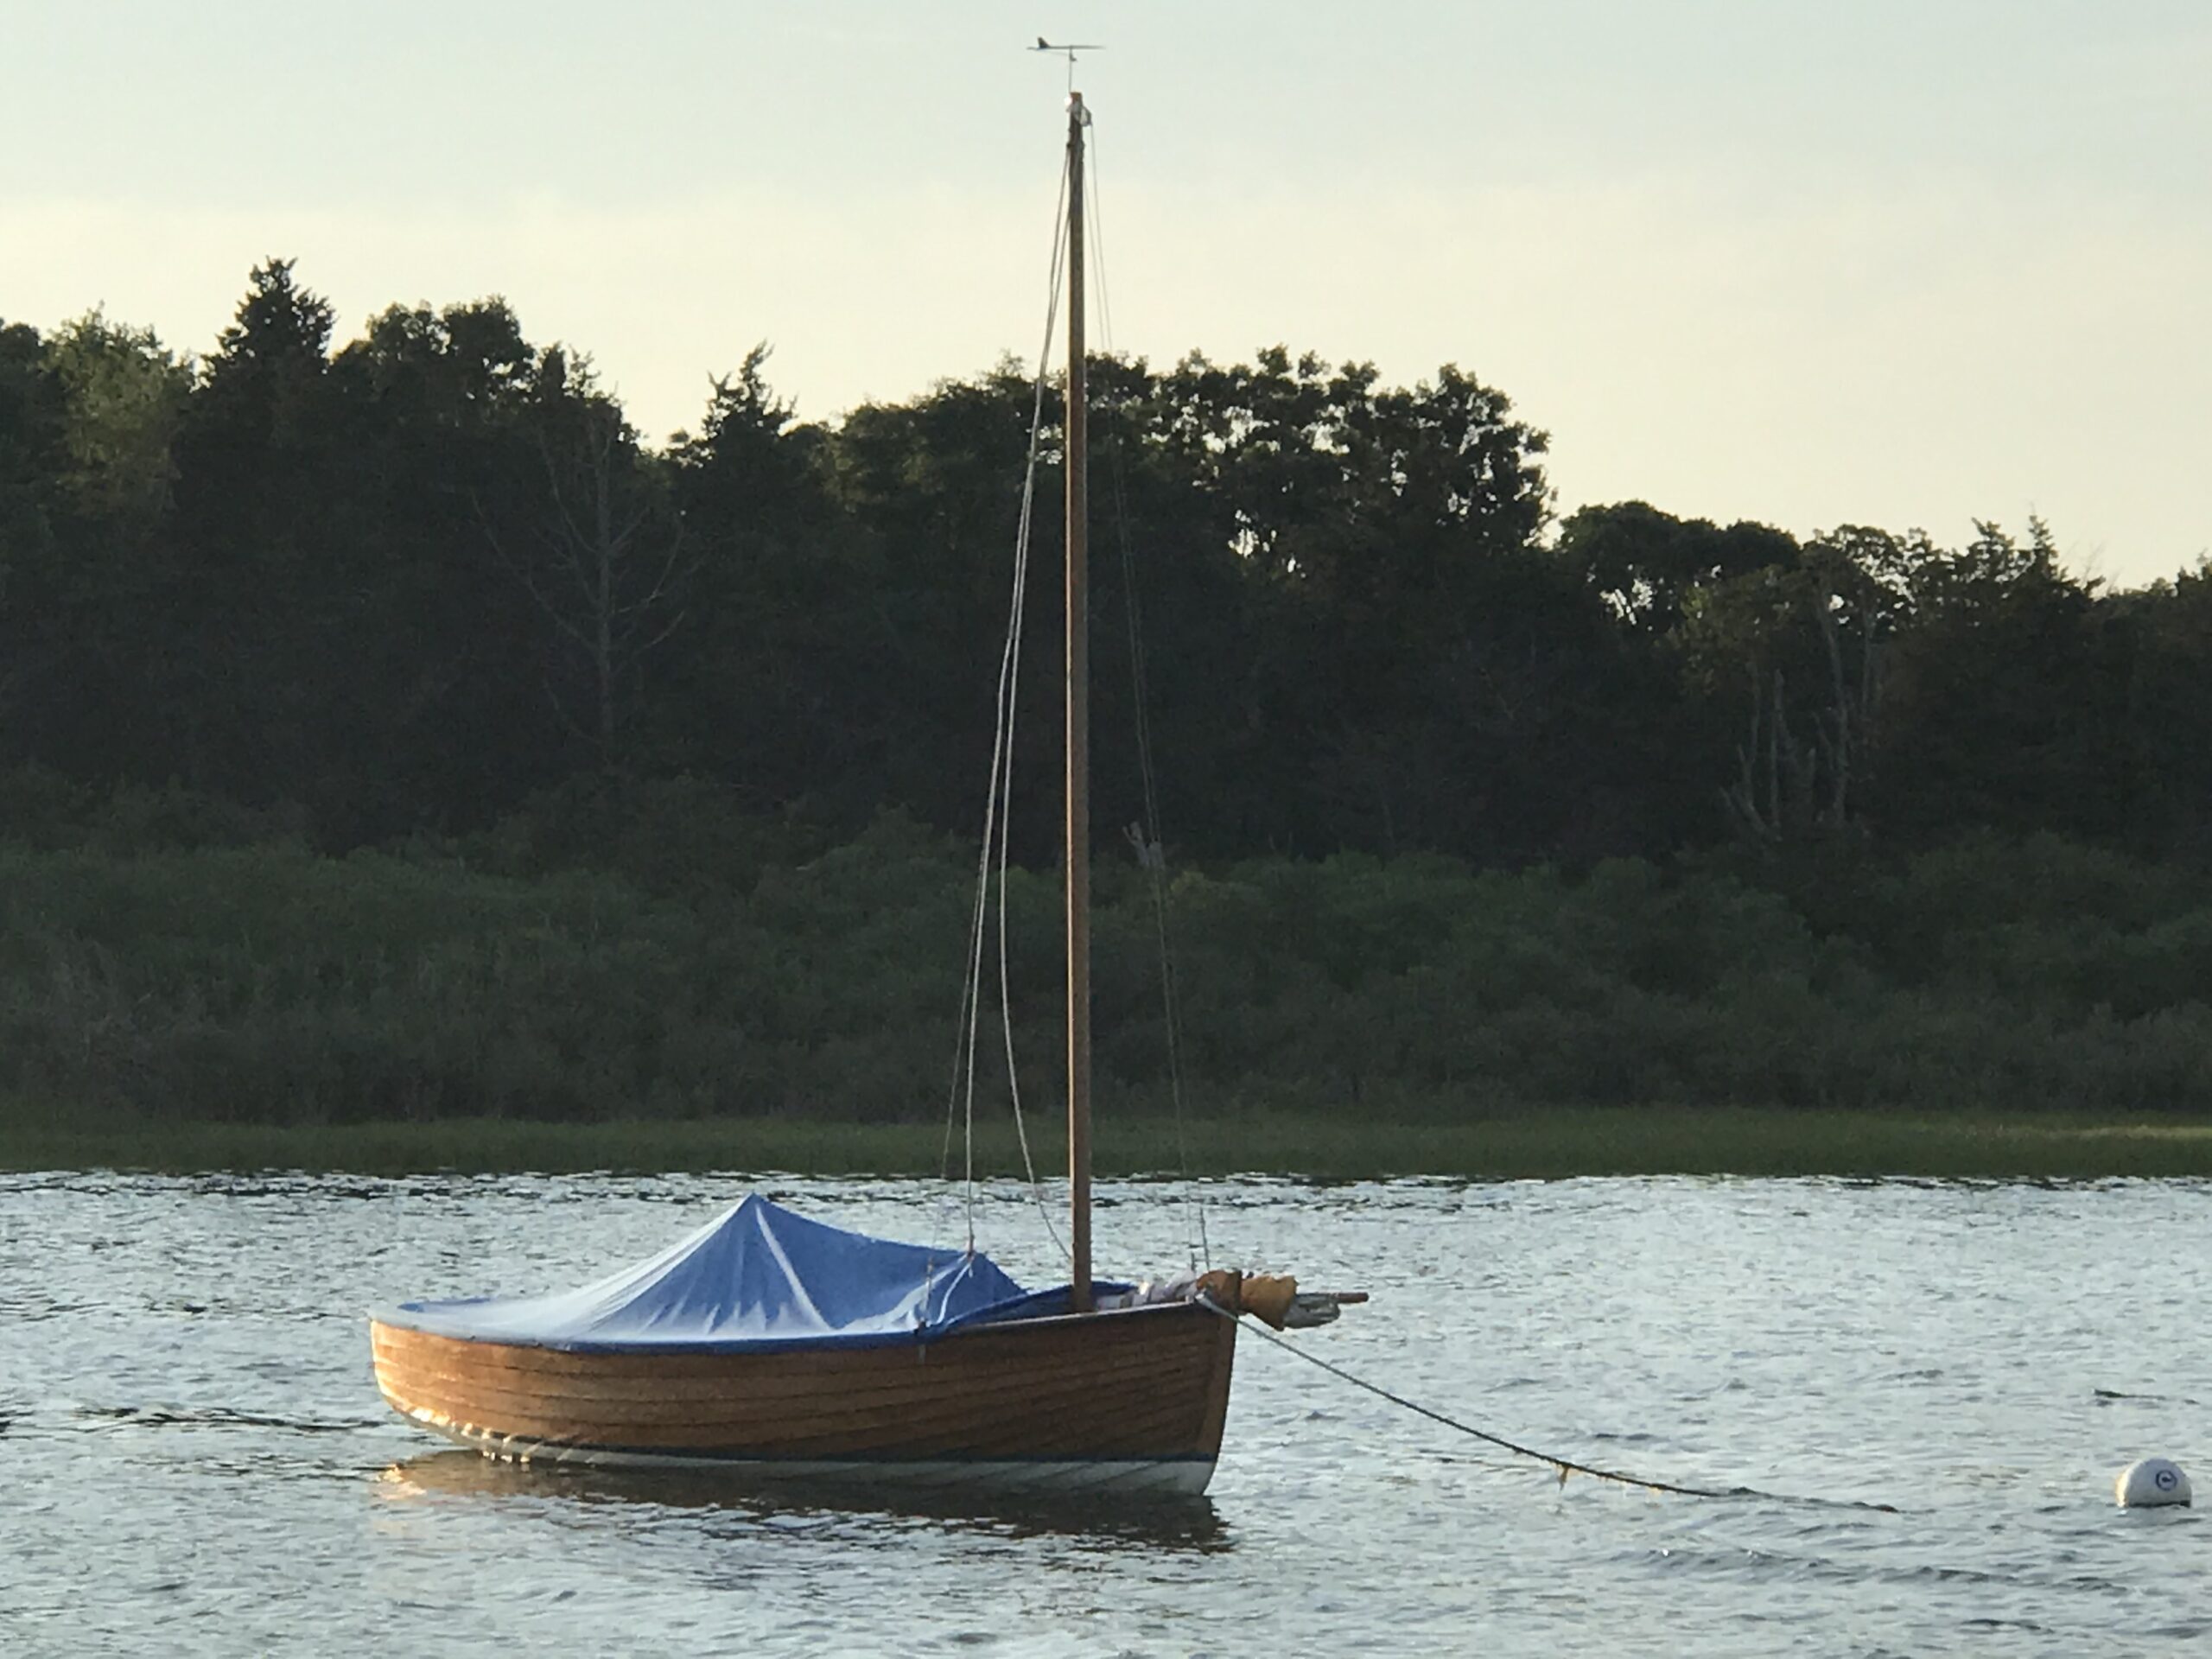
196,1460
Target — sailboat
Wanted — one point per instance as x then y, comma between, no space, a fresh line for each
784,1347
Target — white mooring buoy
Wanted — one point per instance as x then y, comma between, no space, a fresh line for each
2152,1482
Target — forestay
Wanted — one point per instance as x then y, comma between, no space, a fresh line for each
758,1277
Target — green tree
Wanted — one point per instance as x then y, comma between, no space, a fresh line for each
123,395
28,441
1648,563
98,413
446,708
260,614
2003,708
2163,635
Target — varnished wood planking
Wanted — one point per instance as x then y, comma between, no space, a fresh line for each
737,1392
763,1377
1100,1333
1169,1434
1178,1398
1032,1399
1146,1383
1176,1410
1175,1430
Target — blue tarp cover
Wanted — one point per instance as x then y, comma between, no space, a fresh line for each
756,1276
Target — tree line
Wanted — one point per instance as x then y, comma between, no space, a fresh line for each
410,584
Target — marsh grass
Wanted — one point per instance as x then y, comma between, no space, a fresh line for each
1549,1144
1994,1008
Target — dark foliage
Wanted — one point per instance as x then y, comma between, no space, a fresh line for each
408,585
1630,807
660,952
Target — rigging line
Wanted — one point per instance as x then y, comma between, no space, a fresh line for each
963,1051
1011,688
952,1091
944,1152
998,802
1153,858
1565,1465
1011,681
1098,248
971,991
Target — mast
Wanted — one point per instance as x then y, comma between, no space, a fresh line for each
1078,850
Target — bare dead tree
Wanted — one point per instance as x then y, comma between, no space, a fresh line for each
604,590
1806,785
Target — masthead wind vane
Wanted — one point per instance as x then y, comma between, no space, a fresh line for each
1069,47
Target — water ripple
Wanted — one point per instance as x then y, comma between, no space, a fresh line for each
189,1401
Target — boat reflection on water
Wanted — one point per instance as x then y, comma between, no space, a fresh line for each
1158,1521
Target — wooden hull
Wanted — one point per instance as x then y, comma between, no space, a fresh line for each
1133,1399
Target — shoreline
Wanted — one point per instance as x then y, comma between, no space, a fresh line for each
1553,1143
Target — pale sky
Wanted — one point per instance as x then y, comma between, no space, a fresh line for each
1808,262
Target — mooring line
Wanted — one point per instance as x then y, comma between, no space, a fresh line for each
1565,1465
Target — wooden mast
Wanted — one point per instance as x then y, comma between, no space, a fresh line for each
1078,850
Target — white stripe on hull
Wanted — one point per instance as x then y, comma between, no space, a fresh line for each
1186,1477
